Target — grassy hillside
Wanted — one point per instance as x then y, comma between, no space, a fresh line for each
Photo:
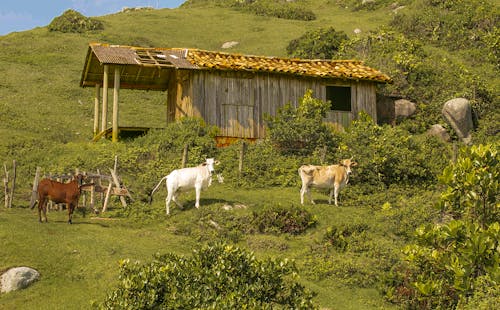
46,120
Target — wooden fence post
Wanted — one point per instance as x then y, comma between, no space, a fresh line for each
14,171
117,185
106,199
6,185
35,186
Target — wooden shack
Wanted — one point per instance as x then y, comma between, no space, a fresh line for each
231,91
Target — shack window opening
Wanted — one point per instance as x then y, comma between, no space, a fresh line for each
339,97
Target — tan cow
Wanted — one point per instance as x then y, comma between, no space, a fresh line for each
332,177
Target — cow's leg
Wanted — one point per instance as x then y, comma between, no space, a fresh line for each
337,189
332,190
177,202
308,192
167,202
198,192
41,205
302,191
70,207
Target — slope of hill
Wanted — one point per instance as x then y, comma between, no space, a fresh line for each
44,112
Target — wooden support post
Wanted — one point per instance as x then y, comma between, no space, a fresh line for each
12,188
116,91
106,199
92,197
6,185
185,156
104,116
96,108
34,195
117,185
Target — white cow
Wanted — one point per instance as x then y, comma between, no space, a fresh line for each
332,177
185,179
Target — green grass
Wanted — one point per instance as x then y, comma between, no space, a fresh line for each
79,263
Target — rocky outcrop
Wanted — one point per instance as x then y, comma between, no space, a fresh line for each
458,113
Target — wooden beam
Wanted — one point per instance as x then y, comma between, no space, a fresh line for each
105,86
96,108
116,91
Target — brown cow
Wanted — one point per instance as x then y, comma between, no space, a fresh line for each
68,193
332,177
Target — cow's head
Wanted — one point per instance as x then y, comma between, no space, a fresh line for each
210,162
347,164
79,178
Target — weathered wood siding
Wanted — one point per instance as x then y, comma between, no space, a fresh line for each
236,102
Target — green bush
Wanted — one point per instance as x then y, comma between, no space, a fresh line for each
300,130
216,276
73,21
472,185
448,262
278,219
322,43
390,155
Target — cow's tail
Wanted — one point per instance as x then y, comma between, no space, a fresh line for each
155,188
34,204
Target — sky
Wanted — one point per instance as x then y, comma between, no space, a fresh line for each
21,15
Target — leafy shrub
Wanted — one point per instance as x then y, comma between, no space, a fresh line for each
73,21
216,276
278,219
390,155
300,130
472,185
449,261
338,236
322,43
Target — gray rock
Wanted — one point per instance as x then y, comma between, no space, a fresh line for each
458,113
230,44
17,278
440,132
404,108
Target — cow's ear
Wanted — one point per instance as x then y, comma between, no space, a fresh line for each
354,164
216,162
204,164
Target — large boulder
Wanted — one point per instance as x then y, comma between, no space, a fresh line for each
17,278
458,113
440,132
403,109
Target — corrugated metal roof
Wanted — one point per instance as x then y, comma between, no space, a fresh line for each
147,68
